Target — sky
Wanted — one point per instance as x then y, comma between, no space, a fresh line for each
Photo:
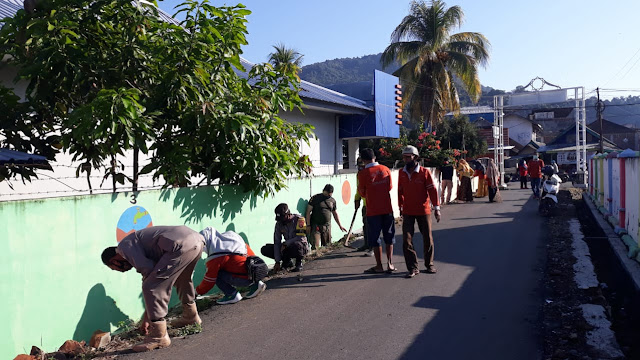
567,42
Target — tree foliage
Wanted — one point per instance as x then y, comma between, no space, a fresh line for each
431,55
106,76
285,58
431,147
459,133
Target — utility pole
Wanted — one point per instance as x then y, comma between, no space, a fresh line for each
599,111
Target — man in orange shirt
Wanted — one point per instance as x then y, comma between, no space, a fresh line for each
374,184
535,172
416,193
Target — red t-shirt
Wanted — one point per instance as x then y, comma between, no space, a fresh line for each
374,184
535,168
414,193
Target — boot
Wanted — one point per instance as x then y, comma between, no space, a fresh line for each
189,316
157,338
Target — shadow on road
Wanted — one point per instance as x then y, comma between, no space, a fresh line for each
493,314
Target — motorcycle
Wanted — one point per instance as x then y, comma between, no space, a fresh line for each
549,198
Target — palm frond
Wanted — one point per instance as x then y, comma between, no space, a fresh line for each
472,43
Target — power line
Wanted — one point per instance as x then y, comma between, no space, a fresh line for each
622,68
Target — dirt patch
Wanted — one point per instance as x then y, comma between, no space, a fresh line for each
563,325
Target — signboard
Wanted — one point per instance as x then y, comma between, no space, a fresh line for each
569,157
538,97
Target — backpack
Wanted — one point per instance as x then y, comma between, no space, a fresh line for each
256,268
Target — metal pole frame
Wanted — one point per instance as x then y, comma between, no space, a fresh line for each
580,114
498,148
581,139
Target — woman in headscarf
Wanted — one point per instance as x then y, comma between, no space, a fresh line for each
482,183
493,179
465,172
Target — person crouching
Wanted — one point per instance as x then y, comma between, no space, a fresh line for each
227,255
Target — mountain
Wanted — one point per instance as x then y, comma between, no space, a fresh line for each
354,77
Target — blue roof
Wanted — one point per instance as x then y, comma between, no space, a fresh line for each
17,157
8,8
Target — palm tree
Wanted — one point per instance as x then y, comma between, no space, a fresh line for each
431,56
287,58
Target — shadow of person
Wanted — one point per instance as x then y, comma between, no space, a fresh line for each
100,312
301,207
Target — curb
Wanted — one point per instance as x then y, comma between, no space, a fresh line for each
628,258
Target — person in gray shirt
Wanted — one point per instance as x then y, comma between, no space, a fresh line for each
165,256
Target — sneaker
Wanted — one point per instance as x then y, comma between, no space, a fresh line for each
368,253
230,299
255,290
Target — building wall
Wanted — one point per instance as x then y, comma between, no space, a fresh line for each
520,130
326,150
55,286
552,128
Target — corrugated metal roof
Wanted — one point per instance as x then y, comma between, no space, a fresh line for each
17,157
8,8
316,92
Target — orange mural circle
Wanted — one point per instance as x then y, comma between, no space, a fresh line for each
346,192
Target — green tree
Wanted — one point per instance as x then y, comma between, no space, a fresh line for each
107,76
431,56
459,133
286,59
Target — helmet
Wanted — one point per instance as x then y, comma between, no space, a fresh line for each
410,150
548,170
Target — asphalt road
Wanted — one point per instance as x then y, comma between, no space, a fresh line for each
484,302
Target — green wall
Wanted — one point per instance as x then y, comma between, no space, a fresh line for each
55,286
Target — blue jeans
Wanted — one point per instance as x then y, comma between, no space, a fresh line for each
228,283
535,186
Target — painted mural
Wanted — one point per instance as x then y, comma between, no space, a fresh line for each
133,219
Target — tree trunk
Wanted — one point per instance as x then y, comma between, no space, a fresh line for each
136,151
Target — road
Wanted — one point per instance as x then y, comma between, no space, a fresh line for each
484,302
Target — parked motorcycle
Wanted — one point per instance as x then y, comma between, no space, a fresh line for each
550,186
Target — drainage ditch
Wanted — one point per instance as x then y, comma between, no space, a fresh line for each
616,285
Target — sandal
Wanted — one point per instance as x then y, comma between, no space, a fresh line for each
374,270
411,274
391,269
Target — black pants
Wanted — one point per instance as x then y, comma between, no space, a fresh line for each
293,251
523,182
492,193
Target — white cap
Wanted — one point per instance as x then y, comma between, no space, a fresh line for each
410,150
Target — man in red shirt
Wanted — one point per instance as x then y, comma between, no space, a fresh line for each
374,184
416,193
535,172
